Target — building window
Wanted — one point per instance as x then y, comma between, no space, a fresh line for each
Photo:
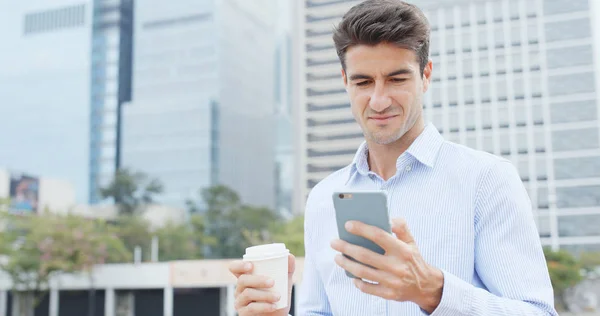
568,30
577,168
532,33
501,64
539,142
51,20
583,196
504,144
561,6
482,37
472,141
453,121
566,140
501,88
499,37
450,43
469,93
488,143
538,114
327,153
541,169
484,65
523,167
571,84
542,197
466,40
434,43
570,56
579,111
543,225
451,69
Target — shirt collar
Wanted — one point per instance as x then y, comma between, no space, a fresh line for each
424,149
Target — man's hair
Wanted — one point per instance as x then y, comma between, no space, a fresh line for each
374,22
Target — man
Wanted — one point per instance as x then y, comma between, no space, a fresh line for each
465,241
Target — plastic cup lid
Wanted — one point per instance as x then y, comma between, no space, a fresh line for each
266,251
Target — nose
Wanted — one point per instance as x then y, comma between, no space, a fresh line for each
380,100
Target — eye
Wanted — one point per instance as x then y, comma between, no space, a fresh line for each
362,83
398,79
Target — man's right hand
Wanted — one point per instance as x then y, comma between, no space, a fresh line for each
252,297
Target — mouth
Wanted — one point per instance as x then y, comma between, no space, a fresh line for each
382,119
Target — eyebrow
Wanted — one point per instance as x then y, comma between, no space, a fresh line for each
403,71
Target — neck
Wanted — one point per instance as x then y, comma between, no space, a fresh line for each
382,158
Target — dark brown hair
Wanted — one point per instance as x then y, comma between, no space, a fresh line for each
374,22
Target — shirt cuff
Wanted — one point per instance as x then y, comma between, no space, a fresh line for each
457,297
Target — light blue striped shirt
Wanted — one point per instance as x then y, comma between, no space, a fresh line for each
470,216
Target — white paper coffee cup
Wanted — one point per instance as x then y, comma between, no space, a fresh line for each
271,260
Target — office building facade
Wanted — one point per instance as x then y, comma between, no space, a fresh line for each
202,100
44,89
111,80
516,78
284,109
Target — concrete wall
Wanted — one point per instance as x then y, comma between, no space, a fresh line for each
4,183
56,195
166,288
175,274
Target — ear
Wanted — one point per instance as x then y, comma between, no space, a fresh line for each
345,78
427,76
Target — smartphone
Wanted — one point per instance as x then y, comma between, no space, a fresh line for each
369,207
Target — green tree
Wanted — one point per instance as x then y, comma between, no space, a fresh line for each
134,231
38,247
131,190
565,272
590,262
176,242
228,219
203,241
291,233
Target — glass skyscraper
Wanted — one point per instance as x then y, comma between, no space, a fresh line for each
111,80
202,103
516,78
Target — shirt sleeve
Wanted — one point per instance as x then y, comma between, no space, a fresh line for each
313,299
509,258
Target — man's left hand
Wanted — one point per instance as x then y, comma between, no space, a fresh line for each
401,273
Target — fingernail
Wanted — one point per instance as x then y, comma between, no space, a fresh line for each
277,297
247,266
274,306
349,225
270,282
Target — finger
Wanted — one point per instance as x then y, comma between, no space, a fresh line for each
359,253
375,234
361,271
291,264
400,228
257,308
253,281
239,267
375,289
254,295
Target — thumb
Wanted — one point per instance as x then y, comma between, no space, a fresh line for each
400,229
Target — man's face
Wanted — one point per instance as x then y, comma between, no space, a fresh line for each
386,89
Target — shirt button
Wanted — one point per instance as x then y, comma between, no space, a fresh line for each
408,168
